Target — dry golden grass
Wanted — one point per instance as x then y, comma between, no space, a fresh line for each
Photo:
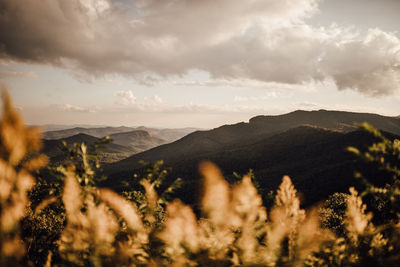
105,229
19,148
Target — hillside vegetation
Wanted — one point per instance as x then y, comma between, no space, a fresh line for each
310,146
70,221
123,141
55,149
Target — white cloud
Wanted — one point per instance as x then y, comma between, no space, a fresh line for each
114,82
125,98
309,105
266,96
94,8
370,65
157,99
9,73
190,108
74,108
236,42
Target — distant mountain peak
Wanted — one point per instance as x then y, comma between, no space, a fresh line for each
80,137
134,133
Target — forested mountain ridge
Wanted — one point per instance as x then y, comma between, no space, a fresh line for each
259,128
310,146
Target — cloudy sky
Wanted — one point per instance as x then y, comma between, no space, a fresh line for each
201,63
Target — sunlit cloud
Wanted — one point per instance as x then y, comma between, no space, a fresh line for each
157,99
267,96
74,108
17,74
255,44
125,98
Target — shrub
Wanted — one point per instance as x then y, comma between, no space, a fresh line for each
19,158
88,226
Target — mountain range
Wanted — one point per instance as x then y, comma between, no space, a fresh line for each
109,153
169,135
126,141
137,140
310,146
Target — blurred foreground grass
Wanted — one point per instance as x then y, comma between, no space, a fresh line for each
73,223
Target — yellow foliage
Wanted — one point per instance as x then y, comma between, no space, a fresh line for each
19,147
104,229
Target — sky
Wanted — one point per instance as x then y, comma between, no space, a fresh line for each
197,63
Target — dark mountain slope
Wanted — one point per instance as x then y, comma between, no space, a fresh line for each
244,134
315,158
339,120
273,146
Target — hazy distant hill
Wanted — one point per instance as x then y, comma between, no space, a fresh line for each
314,156
96,132
168,135
110,152
137,140
125,141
